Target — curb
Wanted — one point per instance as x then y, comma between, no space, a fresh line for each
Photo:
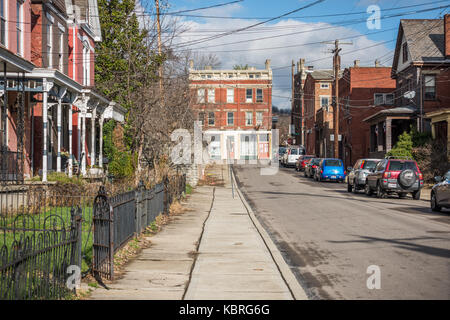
296,289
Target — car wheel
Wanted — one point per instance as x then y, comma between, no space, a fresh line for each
416,195
380,192
434,205
349,187
305,174
367,190
355,188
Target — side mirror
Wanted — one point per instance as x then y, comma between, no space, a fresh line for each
438,179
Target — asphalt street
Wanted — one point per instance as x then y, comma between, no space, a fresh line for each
329,237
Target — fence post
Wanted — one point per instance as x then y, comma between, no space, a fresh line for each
166,194
138,198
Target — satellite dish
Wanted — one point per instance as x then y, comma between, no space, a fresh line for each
409,94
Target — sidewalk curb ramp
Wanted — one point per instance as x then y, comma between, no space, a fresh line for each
286,273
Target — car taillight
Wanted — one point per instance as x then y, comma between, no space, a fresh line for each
345,172
420,176
314,166
386,175
321,171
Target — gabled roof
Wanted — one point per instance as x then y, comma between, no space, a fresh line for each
425,38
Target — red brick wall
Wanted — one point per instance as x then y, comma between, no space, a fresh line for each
359,85
447,35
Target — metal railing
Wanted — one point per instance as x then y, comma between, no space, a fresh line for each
10,166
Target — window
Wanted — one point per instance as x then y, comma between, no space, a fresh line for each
259,95
61,51
383,99
230,118
211,95
258,76
201,96
324,102
201,117
251,76
49,45
249,95
324,86
259,117
210,118
230,95
2,22
430,87
86,64
249,118
19,27
405,52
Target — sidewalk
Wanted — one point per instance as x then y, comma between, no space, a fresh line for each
233,259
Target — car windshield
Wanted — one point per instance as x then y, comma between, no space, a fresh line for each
447,176
315,161
369,164
333,163
294,151
282,150
398,165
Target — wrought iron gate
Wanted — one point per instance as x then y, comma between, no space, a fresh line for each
103,237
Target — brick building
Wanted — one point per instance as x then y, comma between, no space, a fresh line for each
363,91
317,95
297,118
421,70
236,102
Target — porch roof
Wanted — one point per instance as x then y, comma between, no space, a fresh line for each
14,63
59,78
403,111
115,111
438,113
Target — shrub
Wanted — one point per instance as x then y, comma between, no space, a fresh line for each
403,147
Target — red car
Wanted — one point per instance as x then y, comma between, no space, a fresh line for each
302,161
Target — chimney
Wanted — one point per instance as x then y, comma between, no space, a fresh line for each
267,64
301,65
356,63
208,68
377,63
191,64
447,36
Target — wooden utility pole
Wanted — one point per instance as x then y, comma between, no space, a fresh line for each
292,102
336,68
158,28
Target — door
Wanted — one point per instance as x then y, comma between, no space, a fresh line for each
230,147
248,146
263,146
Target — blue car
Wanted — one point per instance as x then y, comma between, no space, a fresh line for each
330,169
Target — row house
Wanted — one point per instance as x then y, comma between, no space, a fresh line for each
421,71
363,92
46,105
297,115
235,107
317,112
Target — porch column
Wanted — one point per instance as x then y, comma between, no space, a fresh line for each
93,116
58,129
70,167
388,134
83,142
46,88
100,151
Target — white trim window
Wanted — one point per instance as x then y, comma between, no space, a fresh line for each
19,33
211,95
211,119
200,95
3,18
248,118
249,95
230,95
230,118
383,99
324,85
259,95
49,47
324,102
259,117
86,64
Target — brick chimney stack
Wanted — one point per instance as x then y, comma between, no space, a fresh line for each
356,63
267,64
447,36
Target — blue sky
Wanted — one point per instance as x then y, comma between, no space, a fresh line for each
297,35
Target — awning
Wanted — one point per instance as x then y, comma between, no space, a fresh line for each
405,112
14,63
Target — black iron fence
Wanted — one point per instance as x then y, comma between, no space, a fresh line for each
40,237
119,218
11,166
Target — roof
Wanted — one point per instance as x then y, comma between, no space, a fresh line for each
404,110
322,74
425,38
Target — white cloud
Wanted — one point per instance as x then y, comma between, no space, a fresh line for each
258,51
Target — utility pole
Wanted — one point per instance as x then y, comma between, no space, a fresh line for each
292,102
336,68
158,28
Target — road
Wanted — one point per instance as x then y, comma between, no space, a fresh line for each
329,237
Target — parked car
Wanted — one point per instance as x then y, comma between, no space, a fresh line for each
330,169
356,179
401,176
311,166
301,162
440,193
281,152
291,156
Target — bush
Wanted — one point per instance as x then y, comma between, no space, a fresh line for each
432,160
403,147
121,165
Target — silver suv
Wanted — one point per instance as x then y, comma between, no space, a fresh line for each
356,179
